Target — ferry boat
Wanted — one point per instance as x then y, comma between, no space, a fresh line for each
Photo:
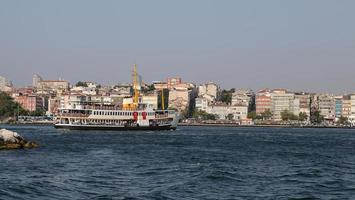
129,116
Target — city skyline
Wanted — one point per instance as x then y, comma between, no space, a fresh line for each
276,44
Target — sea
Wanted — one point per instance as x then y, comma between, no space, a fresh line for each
189,163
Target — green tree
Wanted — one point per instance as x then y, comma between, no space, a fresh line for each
287,115
147,89
226,96
81,84
316,117
302,116
343,121
8,107
230,116
267,114
38,112
252,115
203,115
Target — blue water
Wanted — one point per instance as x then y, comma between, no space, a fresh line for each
190,163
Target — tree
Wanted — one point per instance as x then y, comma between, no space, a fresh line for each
38,112
230,116
267,114
8,107
252,115
287,115
316,117
81,84
226,96
203,115
343,121
302,116
148,88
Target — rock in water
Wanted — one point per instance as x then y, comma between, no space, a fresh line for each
12,140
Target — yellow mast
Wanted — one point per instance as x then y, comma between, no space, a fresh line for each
135,86
162,99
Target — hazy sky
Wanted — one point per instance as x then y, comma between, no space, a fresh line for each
304,44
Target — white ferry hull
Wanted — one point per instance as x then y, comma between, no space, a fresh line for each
118,128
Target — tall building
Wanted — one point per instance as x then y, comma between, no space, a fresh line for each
326,104
36,79
352,103
304,103
263,101
338,106
282,100
180,99
346,106
210,89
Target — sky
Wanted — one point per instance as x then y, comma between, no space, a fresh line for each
304,45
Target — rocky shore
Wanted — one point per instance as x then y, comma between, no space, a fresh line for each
12,140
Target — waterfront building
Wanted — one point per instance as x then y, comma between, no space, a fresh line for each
263,101
222,110
30,102
201,103
326,104
352,103
304,101
346,106
151,99
282,100
179,99
73,101
53,105
338,100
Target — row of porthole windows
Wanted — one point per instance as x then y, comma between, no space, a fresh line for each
118,113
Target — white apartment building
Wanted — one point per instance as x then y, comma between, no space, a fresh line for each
238,112
242,97
352,116
282,100
151,100
211,89
201,103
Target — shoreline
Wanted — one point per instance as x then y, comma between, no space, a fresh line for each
260,126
